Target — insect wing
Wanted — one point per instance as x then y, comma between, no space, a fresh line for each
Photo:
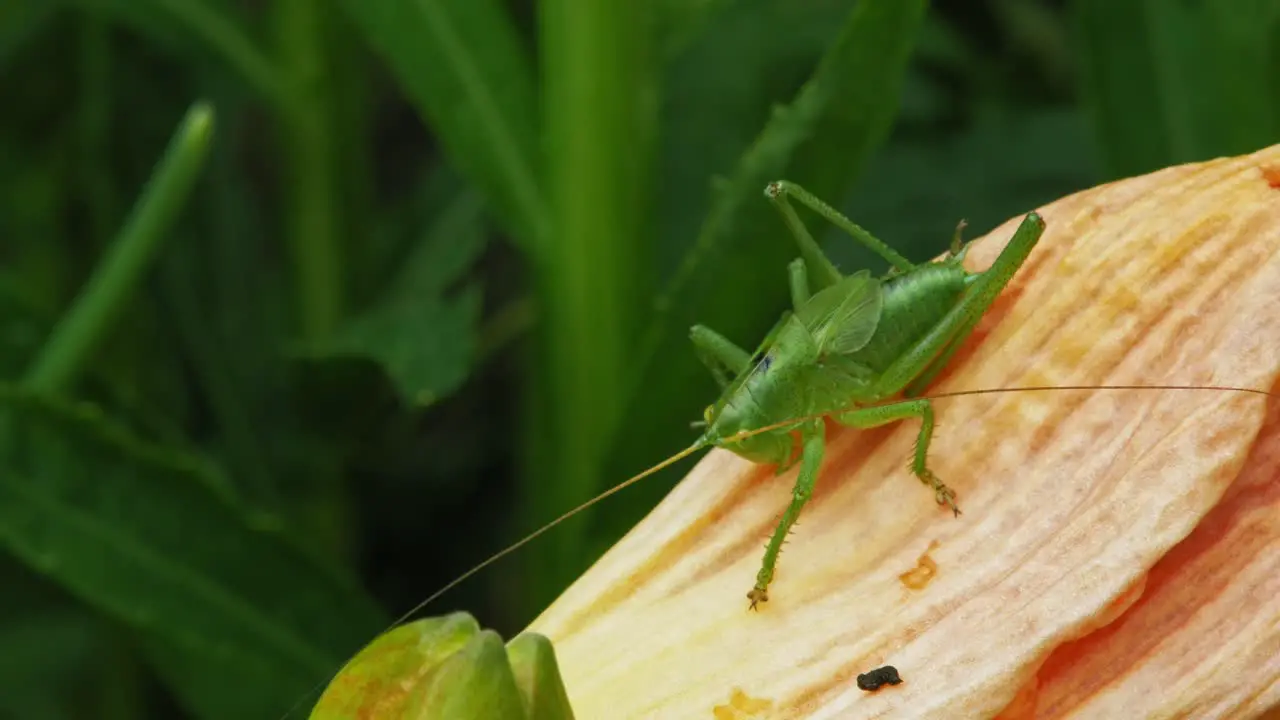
843,317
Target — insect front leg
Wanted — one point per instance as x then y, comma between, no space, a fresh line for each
722,357
864,418
811,459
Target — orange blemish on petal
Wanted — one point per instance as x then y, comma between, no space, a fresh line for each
919,576
1271,173
742,707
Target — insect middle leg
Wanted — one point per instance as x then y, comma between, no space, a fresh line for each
813,444
864,418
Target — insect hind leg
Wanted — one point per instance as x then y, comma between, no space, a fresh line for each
778,192
864,418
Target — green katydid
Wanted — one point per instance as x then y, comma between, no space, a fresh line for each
849,346
850,341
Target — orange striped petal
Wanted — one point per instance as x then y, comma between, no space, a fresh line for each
1203,640
1077,506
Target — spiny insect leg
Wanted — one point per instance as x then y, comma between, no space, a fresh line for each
920,364
811,459
938,364
883,415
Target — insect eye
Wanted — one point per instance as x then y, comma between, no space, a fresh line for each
706,414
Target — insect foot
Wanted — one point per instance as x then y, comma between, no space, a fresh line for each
943,494
758,594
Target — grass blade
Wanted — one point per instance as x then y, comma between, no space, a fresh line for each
463,66
129,256
181,25
600,127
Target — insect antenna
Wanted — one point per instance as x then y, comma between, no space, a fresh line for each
1041,388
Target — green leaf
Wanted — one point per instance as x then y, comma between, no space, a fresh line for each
423,337
152,537
1174,82
22,327
209,26
20,20
462,64
680,21
131,253
32,207
49,643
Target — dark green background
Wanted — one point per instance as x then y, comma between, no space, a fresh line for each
432,283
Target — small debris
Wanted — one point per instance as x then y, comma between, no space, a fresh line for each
878,678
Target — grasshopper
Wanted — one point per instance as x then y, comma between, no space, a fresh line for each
849,344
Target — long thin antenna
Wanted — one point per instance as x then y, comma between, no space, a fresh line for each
1041,388
531,536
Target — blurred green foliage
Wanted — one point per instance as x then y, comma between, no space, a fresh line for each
306,306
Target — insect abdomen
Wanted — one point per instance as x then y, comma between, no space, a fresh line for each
913,304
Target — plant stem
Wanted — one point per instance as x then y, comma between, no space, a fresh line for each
312,225
313,228
600,115
113,282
